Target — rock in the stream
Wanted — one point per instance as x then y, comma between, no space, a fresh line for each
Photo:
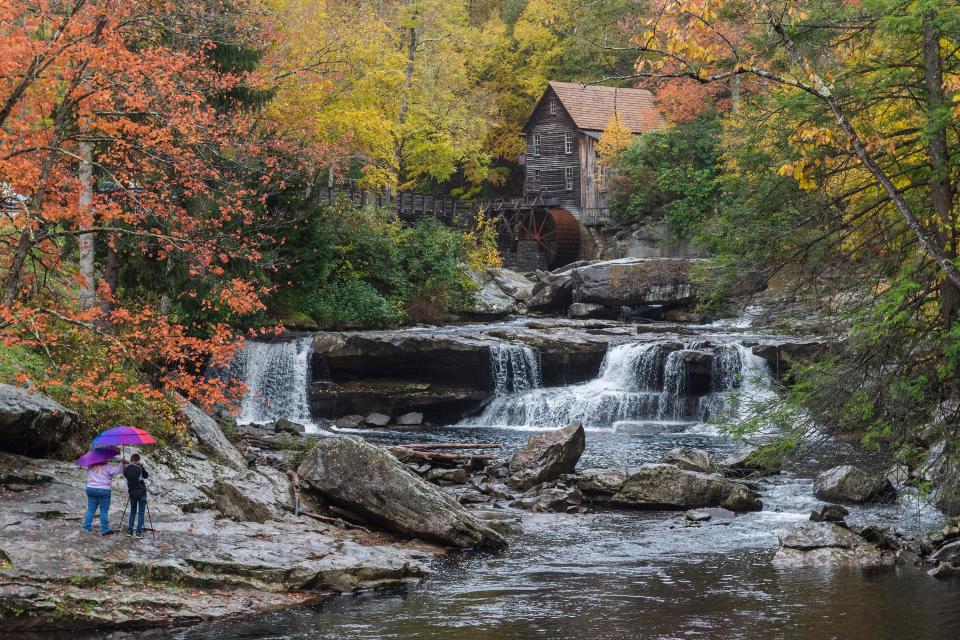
547,497
829,513
664,486
547,456
371,482
746,462
689,459
847,483
209,436
350,422
457,475
283,425
714,515
824,544
600,483
377,419
410,419
740,498
32,424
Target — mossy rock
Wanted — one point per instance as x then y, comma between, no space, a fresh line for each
298,320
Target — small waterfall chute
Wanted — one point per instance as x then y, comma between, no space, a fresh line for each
514,368
277,377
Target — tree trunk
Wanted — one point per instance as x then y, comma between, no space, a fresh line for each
938,154
110,273
405,103
12,284
88,288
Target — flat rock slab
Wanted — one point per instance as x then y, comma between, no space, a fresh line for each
197,565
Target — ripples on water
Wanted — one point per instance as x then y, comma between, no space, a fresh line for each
613,575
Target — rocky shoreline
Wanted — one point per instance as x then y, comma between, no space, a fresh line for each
293,519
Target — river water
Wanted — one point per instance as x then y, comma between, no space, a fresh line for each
612,574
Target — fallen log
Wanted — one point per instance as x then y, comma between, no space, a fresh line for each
451,445
433,456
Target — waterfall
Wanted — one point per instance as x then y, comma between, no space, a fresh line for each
277,376
638,382
514,368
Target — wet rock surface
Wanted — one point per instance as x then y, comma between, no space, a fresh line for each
198,563
664,486
825,544
547,456
847,483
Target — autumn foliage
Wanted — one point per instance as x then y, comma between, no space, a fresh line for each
117,127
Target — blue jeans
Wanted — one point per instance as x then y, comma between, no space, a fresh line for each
97,498
138,507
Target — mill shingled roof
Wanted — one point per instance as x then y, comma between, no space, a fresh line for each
591,106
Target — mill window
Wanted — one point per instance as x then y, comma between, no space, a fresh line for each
568,179
553,106
567,143
536,145
536,178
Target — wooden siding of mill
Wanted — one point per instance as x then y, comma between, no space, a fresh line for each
552,159
593,197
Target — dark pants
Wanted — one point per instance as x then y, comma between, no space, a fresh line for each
138,508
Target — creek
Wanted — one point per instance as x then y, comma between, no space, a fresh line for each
622,574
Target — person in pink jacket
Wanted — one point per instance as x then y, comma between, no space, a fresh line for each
99,489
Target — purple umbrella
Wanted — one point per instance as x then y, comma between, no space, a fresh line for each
96,456
123,435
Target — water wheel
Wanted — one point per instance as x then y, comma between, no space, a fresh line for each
555,232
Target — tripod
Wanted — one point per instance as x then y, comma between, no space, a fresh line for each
123,514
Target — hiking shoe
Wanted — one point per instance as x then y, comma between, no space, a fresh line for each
107,533
138,536
129,533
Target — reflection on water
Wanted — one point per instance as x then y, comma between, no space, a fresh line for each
612,575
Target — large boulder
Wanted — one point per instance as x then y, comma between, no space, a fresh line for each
635,281
847,483
664,486
553,291
547,456
500,292
824,544
32,424
209,437
369,481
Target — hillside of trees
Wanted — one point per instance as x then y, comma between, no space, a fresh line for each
160,162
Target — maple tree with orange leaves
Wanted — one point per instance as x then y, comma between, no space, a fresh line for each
120,135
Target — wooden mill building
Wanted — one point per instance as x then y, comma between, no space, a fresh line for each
562,135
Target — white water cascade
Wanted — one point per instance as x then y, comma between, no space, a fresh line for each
514,368
638,382
277,376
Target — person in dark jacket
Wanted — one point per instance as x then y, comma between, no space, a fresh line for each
137,488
